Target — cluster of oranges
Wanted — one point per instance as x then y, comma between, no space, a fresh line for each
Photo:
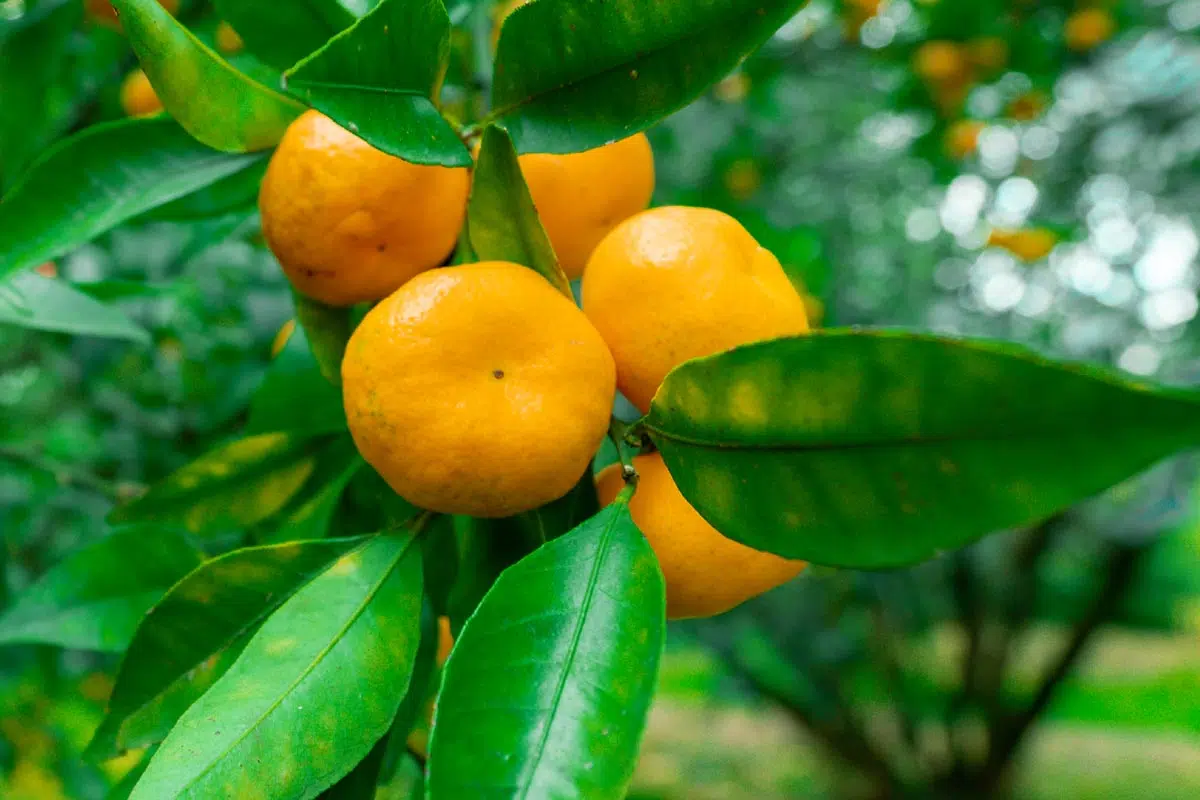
481,389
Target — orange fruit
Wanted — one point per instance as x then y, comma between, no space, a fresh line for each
138,98
1088,28
350,223
1027,244
963,137
940,61
705,572
580,197
229,41
478,389
675,283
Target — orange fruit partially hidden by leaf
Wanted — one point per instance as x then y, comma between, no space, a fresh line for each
1027,244
229,41
580,197
963,137
1088,28
138,98
675,283
478,389
705,572
350,223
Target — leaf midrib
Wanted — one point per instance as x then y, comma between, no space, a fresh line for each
917,440
623,66
228,641
317,659
572,651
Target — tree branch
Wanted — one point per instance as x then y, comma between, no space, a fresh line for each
1009,732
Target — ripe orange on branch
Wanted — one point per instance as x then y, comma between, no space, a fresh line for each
580,197
478,390
705,572
675,283
350,223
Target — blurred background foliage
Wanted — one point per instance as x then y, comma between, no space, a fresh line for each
1006,168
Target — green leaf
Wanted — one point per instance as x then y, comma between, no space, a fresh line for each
380,80
29,300
547,689
338,464
504,224
312,692
211,612
872,449
95,598
215,103
103,175
283,33
236,485
361,782
327,329
486,548
234,193
294,374
577,74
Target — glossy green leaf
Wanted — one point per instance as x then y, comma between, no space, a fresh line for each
873,449
576,74
104,175
29,300
236,192
380,80
547,689
361,782
215,103
312,692
327,329
236,485
212,611
486,547
294,374
283,33
504,224
338,464
95,598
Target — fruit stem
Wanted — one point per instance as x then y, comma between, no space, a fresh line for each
618,432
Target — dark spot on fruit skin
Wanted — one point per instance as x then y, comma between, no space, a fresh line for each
382,246
497,374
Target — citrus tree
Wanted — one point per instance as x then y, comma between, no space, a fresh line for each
410,518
